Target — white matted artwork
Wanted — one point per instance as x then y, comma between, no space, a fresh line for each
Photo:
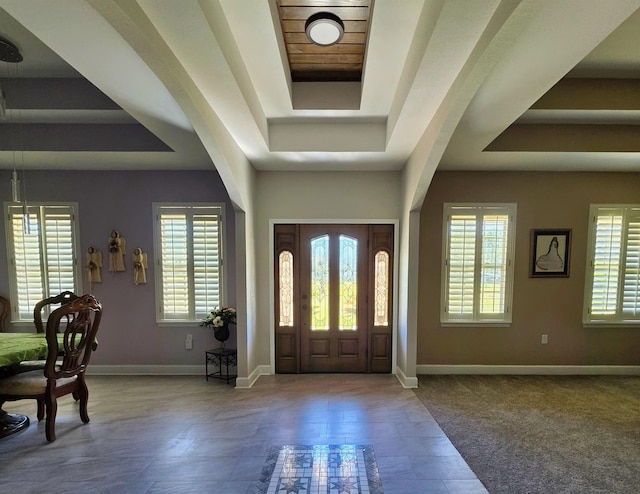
550,253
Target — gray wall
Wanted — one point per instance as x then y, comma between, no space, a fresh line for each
129,334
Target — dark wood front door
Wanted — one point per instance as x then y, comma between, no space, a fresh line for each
332,310
333,296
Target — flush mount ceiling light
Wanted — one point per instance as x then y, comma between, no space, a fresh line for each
324,28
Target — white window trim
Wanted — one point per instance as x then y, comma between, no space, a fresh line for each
13,288
602,321
506,319
157,208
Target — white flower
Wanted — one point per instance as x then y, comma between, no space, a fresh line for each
219,317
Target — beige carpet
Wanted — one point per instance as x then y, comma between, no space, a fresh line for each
542,434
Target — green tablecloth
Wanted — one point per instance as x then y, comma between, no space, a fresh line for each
16,347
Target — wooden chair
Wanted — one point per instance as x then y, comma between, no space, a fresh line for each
81,320
62,299
4,312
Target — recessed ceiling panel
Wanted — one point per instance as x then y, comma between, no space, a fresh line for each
310,62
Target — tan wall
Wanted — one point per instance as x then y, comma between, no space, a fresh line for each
551,306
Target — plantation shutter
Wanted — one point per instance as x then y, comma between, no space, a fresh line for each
190,261
175,271
495,230
59,255
631,291
479,242
43,254
206,263
461,263
615,264
606,263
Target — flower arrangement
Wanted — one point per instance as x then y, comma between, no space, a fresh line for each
219,317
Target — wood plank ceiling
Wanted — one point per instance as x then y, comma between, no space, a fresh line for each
342,61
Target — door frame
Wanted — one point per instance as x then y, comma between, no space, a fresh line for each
394,281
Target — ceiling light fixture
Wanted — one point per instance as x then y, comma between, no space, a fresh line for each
324,28
8,53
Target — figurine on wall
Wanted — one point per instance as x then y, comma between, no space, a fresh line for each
139,266
94,266
117,246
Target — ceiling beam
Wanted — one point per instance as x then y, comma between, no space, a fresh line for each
55,94
568,138
591,94
79,137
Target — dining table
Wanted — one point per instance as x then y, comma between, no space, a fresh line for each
14,348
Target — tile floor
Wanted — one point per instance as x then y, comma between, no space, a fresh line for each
321,469
186,435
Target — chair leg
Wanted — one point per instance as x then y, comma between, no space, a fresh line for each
83,395
52,409
40,410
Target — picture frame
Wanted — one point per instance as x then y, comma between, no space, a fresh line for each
550,253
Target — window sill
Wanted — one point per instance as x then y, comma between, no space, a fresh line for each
475,324
23,323
178,323
611,324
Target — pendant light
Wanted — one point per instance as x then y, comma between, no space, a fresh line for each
9,53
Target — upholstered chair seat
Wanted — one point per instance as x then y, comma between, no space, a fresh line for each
31,383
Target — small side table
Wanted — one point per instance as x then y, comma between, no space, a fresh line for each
220,357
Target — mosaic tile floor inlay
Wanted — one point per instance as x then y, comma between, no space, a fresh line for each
321,469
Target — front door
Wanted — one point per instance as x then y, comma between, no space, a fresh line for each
333,298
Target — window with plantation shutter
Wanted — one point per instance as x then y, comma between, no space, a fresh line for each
478,244
612,294
42,254
189,260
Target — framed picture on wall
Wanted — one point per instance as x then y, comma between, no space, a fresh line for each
550,253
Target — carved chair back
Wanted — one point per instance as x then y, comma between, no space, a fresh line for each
80,319
62,299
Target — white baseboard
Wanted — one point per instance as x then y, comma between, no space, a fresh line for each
247,382
561,370
407,382
172,370
146,370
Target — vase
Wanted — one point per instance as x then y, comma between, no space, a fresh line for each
221,334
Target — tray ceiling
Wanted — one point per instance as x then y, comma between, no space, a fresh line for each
115,84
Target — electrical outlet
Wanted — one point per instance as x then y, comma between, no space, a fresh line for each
545,339
188,342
